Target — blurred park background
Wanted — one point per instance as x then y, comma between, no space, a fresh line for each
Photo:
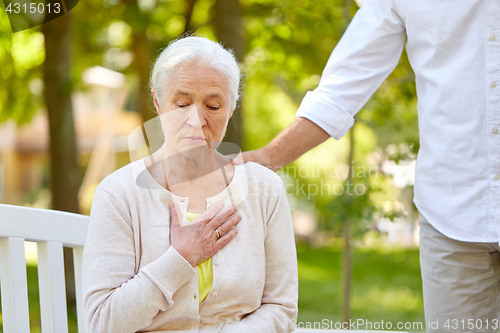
72,91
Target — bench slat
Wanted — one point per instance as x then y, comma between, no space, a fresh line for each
15,311
77,258
53,310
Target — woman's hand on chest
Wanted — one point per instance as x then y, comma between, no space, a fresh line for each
208,233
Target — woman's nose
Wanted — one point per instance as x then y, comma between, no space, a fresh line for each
196,118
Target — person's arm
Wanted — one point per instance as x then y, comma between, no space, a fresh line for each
115,298
278,310
299,137
367,53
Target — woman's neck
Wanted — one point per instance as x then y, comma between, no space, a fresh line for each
181,168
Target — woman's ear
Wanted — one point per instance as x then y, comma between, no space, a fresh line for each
155,100
231,114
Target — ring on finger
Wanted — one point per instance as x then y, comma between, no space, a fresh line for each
218,233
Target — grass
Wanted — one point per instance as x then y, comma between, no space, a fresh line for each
386,286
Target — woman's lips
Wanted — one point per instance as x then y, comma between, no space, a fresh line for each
195,138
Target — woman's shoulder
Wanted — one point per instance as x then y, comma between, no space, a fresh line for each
259,173
119,180
263,182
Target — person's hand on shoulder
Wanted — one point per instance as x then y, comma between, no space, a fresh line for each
258,156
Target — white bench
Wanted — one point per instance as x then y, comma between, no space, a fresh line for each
51,230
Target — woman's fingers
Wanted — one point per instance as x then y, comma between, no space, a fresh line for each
197,240
225,227
224,240
221,217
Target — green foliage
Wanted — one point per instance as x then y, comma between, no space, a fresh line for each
21,56
289,42
267,109
353,205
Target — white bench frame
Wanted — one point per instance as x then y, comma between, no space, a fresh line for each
51,230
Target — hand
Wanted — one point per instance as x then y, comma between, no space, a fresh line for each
300,136
259,156
199,240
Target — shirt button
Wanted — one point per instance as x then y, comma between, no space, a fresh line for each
214,294
194,296
217,263
493,37
497,177
493,84
495,131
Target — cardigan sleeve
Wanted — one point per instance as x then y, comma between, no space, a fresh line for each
112,290
278,310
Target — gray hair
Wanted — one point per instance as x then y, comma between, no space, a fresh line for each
198,50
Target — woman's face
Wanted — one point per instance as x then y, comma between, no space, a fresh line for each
195,108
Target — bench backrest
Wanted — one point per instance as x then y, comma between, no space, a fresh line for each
51,230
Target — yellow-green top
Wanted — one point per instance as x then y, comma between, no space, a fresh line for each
205,273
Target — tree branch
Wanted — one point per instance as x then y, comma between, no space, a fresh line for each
189,15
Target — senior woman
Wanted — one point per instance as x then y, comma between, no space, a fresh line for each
184,240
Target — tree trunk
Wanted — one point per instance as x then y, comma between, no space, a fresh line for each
188,15
346,274
141,47
142,57
347,251
229,30
64,172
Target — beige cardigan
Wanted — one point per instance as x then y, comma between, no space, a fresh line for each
134,281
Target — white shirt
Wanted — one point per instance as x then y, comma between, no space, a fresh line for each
454,48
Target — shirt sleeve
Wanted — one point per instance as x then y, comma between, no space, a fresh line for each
278,310
366,54
112,290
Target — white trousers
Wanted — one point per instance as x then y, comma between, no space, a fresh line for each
460,283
